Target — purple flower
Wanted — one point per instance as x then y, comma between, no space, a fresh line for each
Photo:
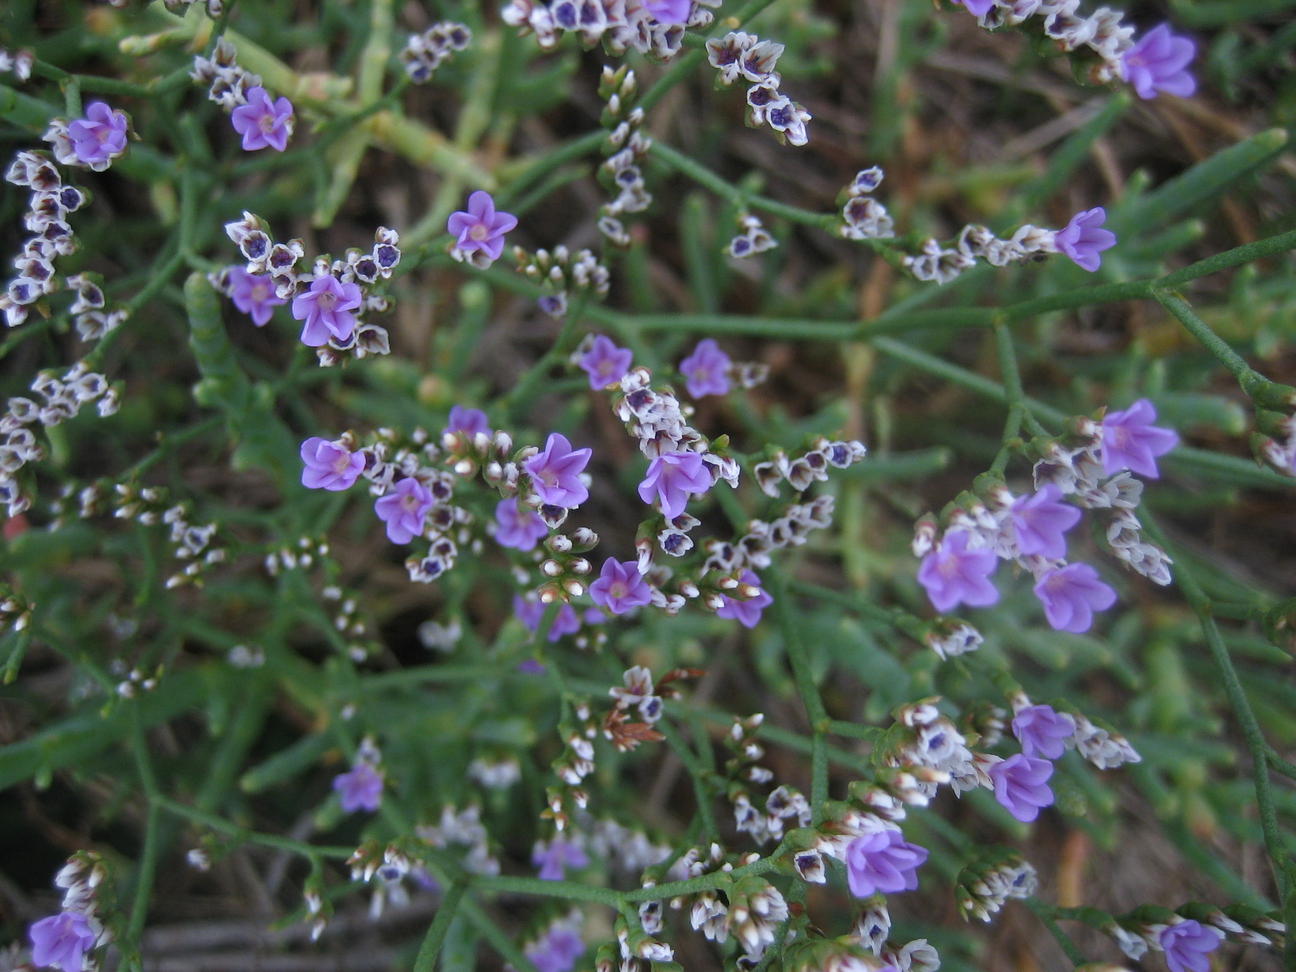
977,7
1041,520
707,370
1042,730
1021,785
361,789
99,137
1130,440
263,123
620,587
529,666
671,478
326,308
555,472
605,363
530,613
254,294
1159,62
1071,595
746,612
884,862
953,574
469,421
404,509
669,12
480,228
329,465
519,529
1083,238
1188,944
557,951
61,940
553,859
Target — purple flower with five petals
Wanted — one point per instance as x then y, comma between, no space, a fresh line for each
530,613
99,137
1188,945
263,123
977,7
254,294
882,862
706,369
326,308
361,789
519,529
1083,238
404,509
672,13
481,229
620,587
672,477
954,575
469,421
61,941
1040,520
329,465
1130,440
555,472
1071,595
746,612
553,859
1021,785
1042,730
605,363
1159,62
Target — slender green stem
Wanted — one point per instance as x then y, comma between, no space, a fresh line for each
436,935
1046,915
1250,379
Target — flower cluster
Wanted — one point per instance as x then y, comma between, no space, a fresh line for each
562,274
863,217
809,467
262,122
19,63
66,940
624,148
89,314
462,828
49,205
329,300
654,27
752,238
228,83
56,400
751,911
1154,63
1030,530
741,55
985,885
423,53
93,141
1094,467
1192,932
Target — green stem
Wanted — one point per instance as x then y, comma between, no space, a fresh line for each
436,935
1247,377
